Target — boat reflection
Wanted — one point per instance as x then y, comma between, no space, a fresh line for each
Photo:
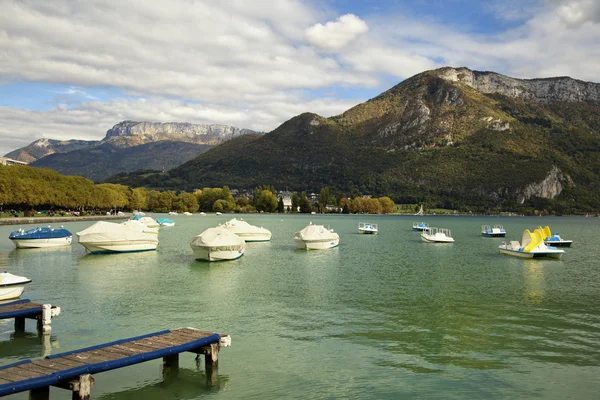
534,280
23,345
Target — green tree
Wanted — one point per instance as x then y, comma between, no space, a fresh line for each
304,203
267,201
295,202
323,198
280,207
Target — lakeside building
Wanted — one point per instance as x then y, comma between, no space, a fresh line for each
10,161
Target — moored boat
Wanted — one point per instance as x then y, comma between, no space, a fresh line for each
108,237
148,221
165,222
11,286
496,231
248,232
172,212
554,239
41,237
187,213
531,246
420,226
316,237
437,235
217,244
367,228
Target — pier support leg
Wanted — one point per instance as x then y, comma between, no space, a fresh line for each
40,393
44,321
170,367
211,363
20,324
83,388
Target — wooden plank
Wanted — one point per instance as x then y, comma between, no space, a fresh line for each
28,372
4,381
37,368
161,341
57,364
92,357
125,346
194,332
10,375
122,352
144,349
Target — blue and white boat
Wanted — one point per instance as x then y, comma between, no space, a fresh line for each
554,239
531,246
41,237
420,226
165,222
496,231
367,228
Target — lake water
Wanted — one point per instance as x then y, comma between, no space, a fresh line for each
379,317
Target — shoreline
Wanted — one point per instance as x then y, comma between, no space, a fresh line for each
45,220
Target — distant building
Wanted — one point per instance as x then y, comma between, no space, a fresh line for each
10,161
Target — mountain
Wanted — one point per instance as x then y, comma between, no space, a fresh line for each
129,146
43,147
449,137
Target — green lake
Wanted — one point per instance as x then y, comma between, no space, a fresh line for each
379,317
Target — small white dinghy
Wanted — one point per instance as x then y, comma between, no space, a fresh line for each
316,237
250,233
11,286
217,244
437,235
496,231
367,228
531,246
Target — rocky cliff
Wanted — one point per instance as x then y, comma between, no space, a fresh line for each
128,133
43,147
546,90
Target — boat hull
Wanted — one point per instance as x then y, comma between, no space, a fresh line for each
562,243
41,243
255,237
211,254
119,246
493,234
12,291
522,254
367,232
317,244
430,240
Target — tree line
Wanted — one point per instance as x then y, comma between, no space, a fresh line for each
24,187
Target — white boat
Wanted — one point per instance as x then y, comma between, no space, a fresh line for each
316,237
187,213
172,212
367,228
136,224
531,246
109,237
496,231
554,239
203,214
217,213
165,222
250,233
41,238
217,244
11,286
148,221
437,235
420,226
140,213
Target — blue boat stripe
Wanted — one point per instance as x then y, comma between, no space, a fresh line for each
52,379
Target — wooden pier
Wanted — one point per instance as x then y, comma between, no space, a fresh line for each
21,309
73,370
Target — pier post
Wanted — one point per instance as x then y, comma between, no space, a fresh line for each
170,367
82,388
42,393
211,362
20,324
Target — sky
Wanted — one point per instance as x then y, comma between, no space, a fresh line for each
72,69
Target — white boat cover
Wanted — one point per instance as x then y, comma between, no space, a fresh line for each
316,232
239,226
108,231
217,237
148,221
136,224
6,278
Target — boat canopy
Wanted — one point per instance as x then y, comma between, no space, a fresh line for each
217,237
239,226
40,233
316,232
108,231
165,221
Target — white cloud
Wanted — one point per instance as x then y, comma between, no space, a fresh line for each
576,12
336,35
